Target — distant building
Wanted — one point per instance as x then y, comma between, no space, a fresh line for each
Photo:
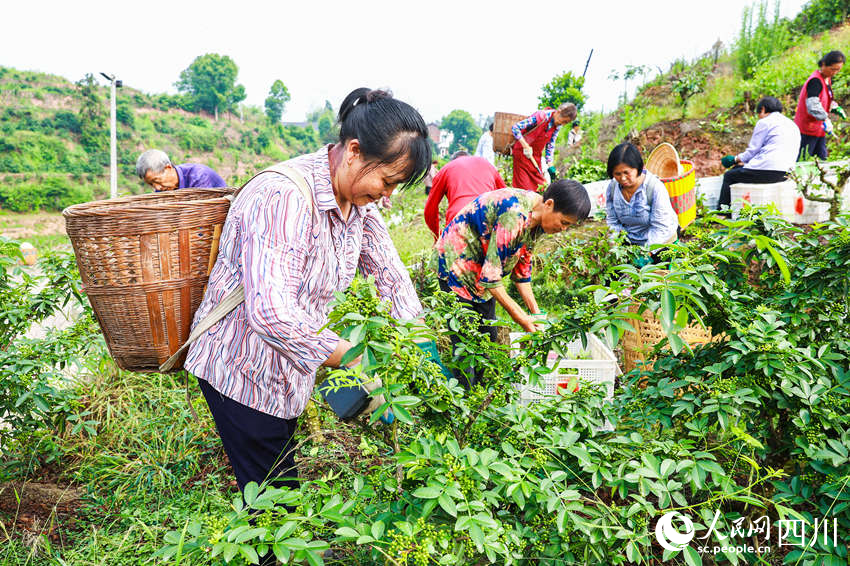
300,124
446,139
434,132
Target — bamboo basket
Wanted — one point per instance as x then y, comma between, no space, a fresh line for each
683,195
503,138
144,262
648,332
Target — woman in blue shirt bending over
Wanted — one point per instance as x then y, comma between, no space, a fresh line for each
637,201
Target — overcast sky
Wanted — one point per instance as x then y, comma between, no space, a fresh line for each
438,55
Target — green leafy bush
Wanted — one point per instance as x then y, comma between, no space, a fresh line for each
820,15
760,39
21,198
787,74
587,170
124,113
755,424
34,404
50,193
194,138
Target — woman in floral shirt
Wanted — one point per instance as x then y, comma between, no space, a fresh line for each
493,235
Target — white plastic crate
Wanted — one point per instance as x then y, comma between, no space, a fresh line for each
596,193
758,194
787,198
709,189
601,368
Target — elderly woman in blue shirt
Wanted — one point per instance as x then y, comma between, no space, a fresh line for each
637,201
772,151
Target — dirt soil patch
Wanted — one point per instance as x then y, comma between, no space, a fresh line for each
35,508
17,226
695,141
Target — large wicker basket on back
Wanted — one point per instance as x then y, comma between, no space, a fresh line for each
503,138
144,262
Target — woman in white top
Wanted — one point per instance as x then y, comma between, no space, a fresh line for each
771,153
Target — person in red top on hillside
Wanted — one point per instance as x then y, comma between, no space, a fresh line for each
462,180
814,105
536,137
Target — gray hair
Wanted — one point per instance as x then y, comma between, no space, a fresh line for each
568,110
154,160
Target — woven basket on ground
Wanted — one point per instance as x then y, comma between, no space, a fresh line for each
648,332
503,138
144,262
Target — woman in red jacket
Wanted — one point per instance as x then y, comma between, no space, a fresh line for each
814,105
461,180
535,138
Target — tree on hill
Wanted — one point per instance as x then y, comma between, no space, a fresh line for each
93,127
276,101
628,73
211,83
565,87
325,120
462,125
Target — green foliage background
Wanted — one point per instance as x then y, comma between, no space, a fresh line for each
54,138
466,131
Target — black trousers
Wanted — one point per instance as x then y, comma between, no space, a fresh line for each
812,146
259,445
743,175
487,310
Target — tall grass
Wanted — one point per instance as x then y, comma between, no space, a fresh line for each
761,37
147,469
789,71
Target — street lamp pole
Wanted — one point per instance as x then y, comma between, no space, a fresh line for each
113,139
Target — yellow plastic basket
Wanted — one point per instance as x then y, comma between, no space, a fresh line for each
682,193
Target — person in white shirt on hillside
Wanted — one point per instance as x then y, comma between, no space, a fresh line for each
772,151
485,146
575,134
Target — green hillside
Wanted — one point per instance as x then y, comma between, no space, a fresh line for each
54,139
705,106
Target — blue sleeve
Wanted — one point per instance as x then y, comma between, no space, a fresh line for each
550,147
524,125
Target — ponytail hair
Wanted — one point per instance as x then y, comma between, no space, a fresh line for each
387,130
831,58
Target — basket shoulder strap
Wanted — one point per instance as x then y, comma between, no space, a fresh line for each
650,192
230,301
237,296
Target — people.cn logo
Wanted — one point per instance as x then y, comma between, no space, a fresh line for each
669,536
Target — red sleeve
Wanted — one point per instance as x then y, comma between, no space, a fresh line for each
432,204
498,182
522,270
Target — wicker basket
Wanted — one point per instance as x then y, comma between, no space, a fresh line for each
144,262
683,195
648,332
503,138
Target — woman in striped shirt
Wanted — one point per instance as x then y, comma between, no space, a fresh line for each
257,366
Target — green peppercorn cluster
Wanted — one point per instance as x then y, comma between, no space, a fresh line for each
813,434
215,525
417,549
455,474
